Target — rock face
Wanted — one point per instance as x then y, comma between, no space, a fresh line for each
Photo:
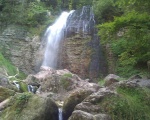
27,106
81,52
58,83
20,49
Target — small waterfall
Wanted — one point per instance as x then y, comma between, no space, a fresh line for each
81,21
31,89
60,114
16,83
53,36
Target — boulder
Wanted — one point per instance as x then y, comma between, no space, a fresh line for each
90,108
81,115
27,106
73,99
110,79
135,83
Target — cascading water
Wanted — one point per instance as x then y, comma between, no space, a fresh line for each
60,114
53,36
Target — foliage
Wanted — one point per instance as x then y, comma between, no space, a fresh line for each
105,10
128,34
101,82
22,12
128,103
76,4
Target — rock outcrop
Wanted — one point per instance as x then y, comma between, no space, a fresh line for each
81,51
19,48
58,83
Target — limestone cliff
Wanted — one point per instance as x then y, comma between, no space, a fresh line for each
19,48
81,51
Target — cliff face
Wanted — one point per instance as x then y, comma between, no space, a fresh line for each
20,49
76,55
81,52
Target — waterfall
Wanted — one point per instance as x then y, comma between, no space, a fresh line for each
16,83
53,36
81,21
31,89
60,114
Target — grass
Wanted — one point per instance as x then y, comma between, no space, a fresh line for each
10,69
130,104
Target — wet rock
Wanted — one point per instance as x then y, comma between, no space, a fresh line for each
81,52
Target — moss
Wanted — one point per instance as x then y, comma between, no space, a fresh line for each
28,106
23,87
5,93
19,102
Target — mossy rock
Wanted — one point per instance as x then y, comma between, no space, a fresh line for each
28,106
23,87
5,93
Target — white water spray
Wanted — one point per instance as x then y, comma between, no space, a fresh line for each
53,36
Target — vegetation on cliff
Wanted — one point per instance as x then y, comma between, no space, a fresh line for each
10,70
126,29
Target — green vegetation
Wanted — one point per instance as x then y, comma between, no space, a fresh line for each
9,69
22,99
67,75
23,87
64,80
130,104
22,12
127,31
